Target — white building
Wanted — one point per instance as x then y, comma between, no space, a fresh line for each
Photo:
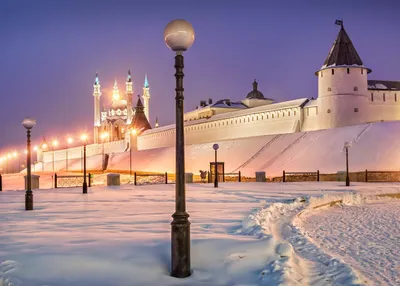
345,97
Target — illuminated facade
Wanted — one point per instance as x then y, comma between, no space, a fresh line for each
115,120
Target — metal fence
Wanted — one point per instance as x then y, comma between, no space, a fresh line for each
69,181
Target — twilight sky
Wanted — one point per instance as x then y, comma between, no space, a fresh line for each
50,51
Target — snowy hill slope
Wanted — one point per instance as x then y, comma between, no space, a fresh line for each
373,146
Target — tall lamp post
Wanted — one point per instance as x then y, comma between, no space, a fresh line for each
55,144
28,123
69,141
84,186
346,146
179,36
215,147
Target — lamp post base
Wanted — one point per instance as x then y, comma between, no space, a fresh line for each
84,188
180,245
28,201
347,181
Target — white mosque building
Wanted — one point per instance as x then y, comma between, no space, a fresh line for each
345,97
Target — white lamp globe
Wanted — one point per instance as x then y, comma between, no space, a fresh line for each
28,123
346,144
215,146
179,35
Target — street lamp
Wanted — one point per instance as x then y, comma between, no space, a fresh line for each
28,123
69,141
215,147
179,36
133,132
346,146
104,136
84,186
55,144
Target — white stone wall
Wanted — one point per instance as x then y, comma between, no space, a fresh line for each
91,150
384,105
240,126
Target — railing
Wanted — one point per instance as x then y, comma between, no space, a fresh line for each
232,177
150,178
71,181
382,176
300,176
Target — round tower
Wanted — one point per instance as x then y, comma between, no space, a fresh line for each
97,118
342,86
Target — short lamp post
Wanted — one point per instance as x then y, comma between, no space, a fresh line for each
216,147
103,136
55,144
69,141
28,123
179,36
133,132
84,186
346,147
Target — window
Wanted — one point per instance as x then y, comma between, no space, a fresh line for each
294,113
355,88
372,97
288,113
329,89
356,109
362,71
328,111
395,97
333,71
272,115
384,97
322,74
348,70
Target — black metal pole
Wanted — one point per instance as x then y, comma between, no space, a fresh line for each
347,167
53,158
28,194
1,183
84,187
215,171
180,225
102,157
130,159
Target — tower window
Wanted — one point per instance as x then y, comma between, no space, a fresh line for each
372,97
356,109
329,89
384,97
333,71
328,111
322,74
348,70
362,71
395,97
355,88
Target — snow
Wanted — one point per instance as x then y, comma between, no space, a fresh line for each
375,227
242,234
301,151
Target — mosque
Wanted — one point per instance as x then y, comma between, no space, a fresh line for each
345,97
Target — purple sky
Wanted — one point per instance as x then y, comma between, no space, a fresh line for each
50,51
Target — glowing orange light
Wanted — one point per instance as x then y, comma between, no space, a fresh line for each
55,143
70,140
84,137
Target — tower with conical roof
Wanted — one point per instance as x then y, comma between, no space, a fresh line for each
342,85
146,97
139,121
97,119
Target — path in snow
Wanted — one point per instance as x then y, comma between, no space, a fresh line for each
366,237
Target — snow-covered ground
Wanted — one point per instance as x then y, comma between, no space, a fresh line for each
242,234
375,227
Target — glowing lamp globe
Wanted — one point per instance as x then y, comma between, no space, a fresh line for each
179,35
28,123
346,145
215,147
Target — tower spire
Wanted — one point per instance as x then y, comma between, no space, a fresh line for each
97,113
115,91
129,95
156,125
146,97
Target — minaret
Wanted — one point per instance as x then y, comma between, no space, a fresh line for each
156,125
129,95
146,97
96,94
